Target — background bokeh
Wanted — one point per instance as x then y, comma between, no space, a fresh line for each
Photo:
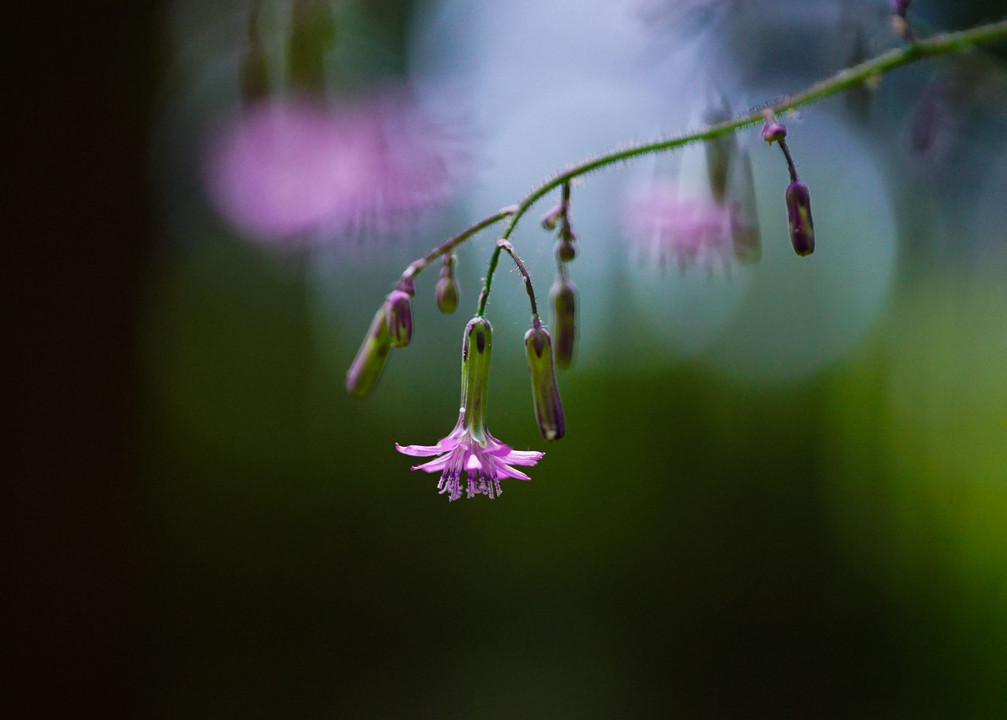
783,492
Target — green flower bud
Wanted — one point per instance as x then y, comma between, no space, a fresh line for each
447,289
476,350
370,357
564,317
447,295
544,389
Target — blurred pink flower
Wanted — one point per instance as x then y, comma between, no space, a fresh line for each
292,171
660,223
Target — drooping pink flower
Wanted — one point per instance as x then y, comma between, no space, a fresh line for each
292,170
470,448
484,459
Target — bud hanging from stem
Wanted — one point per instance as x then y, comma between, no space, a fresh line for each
564,320
544,389
447,289
370,357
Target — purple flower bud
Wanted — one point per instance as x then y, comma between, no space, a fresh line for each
802,227
550,219
447,289
370,357
773,131
544,389
564,320
399,317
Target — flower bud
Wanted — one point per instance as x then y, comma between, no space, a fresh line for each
370,357
565,250
476,349
447,295
564,316
550,219
544,389
447,288
802,228
399,317
773,131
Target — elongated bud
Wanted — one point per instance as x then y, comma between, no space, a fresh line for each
399,317
447,288
370,357
802,228
476,350
544,389
564,320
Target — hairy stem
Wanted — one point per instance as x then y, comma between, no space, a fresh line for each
941,44
886,62
417,266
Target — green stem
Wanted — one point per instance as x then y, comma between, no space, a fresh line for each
937,45
886,62
417,266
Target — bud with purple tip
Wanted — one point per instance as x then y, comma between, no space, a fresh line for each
447,289
802,228
370,357
399,317
544,389
552,217
773,131
564,320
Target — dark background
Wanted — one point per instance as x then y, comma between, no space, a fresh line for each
698,549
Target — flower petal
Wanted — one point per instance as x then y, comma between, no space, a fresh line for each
506,471
435,465
523,457
425,450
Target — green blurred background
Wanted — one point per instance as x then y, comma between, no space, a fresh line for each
205,525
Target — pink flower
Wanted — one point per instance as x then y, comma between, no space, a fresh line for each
469,448
287,169
485,460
